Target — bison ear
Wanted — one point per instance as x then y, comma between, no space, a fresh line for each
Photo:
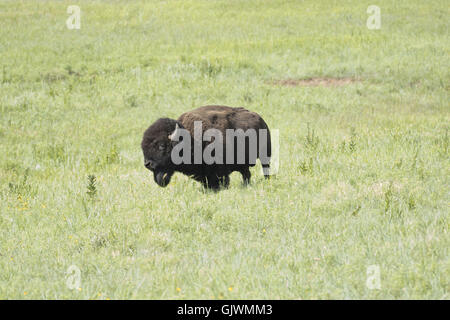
174,133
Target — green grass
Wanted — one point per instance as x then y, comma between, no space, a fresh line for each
364,171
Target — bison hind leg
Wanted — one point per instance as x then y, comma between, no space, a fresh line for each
245,171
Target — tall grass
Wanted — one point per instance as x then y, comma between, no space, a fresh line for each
364,171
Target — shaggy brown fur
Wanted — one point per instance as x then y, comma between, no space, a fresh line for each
157,146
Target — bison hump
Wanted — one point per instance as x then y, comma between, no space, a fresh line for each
221,118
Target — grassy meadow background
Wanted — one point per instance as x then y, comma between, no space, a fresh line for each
364,155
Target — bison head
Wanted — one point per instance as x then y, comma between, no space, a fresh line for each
157,147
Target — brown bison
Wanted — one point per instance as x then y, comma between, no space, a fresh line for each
207,144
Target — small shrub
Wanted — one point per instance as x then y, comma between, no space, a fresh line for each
113,155
21,187
352,143
311,140
411,202
306,166
131,101
388,195
91,186
209,69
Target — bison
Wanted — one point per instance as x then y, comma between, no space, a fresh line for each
207,144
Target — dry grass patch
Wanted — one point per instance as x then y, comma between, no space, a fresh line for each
315,82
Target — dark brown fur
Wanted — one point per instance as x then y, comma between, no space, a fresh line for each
157,147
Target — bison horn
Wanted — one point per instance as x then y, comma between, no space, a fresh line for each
174,133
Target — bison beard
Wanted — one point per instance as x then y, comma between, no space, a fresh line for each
158,142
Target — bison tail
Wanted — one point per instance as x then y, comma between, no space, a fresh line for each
266,150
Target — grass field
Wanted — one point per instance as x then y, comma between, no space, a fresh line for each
364,160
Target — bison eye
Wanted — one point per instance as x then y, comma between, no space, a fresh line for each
162,146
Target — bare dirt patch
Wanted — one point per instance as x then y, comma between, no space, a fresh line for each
315,82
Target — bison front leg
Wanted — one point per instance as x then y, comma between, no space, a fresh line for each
224,181
211,182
